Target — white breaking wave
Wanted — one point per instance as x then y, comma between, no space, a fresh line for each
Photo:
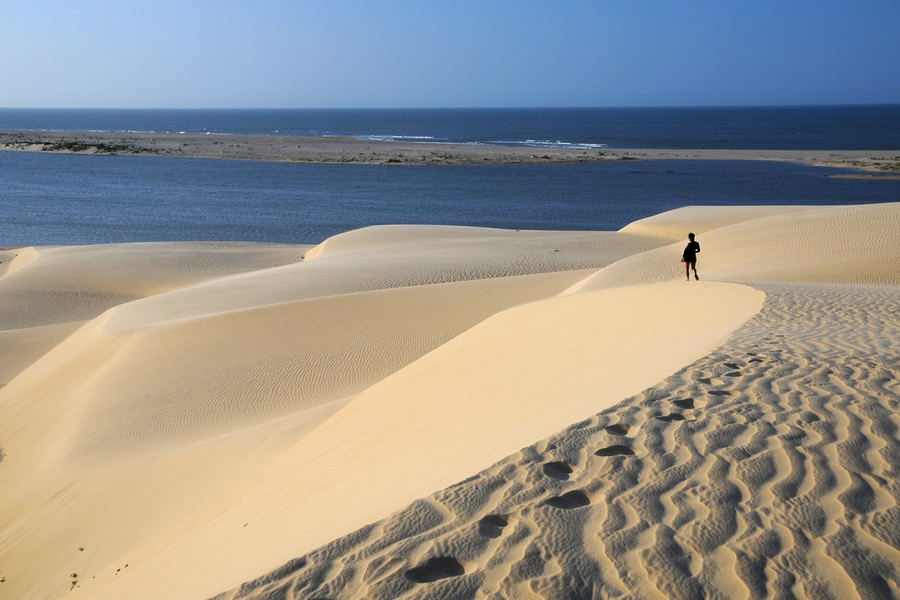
550,144
428,139
397,138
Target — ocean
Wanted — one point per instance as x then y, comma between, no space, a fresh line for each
51,199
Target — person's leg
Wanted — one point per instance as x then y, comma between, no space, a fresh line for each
687,270
694,266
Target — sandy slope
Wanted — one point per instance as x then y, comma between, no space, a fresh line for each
766,469
179,418
182,368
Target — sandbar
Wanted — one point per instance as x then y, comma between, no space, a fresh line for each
350,150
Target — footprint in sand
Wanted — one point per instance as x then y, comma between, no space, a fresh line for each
685,403
671,417
436,568
569,500
616,450
557,470
492,526
617,429
719,392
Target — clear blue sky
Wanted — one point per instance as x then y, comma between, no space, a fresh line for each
459,53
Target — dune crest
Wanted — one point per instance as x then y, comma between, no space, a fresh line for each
826,244
671,225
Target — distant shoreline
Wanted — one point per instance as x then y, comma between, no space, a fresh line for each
349,150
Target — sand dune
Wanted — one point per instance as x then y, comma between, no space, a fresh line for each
395,408
386,257
45,286
765,469
845,245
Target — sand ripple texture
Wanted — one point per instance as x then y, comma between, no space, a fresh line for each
767,469
52,285
176,419
161,344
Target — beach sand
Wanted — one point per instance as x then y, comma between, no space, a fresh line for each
455,412
304,149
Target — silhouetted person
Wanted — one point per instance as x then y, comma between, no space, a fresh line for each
689,258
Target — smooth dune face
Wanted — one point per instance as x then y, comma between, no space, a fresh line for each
203,413
239,368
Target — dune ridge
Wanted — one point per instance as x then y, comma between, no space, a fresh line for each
765,469
394,407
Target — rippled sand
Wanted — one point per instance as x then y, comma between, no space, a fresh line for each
420,412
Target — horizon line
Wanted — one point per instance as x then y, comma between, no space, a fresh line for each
461,108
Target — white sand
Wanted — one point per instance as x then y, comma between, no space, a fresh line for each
181,418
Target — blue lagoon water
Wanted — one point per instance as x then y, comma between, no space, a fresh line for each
51,199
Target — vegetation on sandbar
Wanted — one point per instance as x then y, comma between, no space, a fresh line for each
64,145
